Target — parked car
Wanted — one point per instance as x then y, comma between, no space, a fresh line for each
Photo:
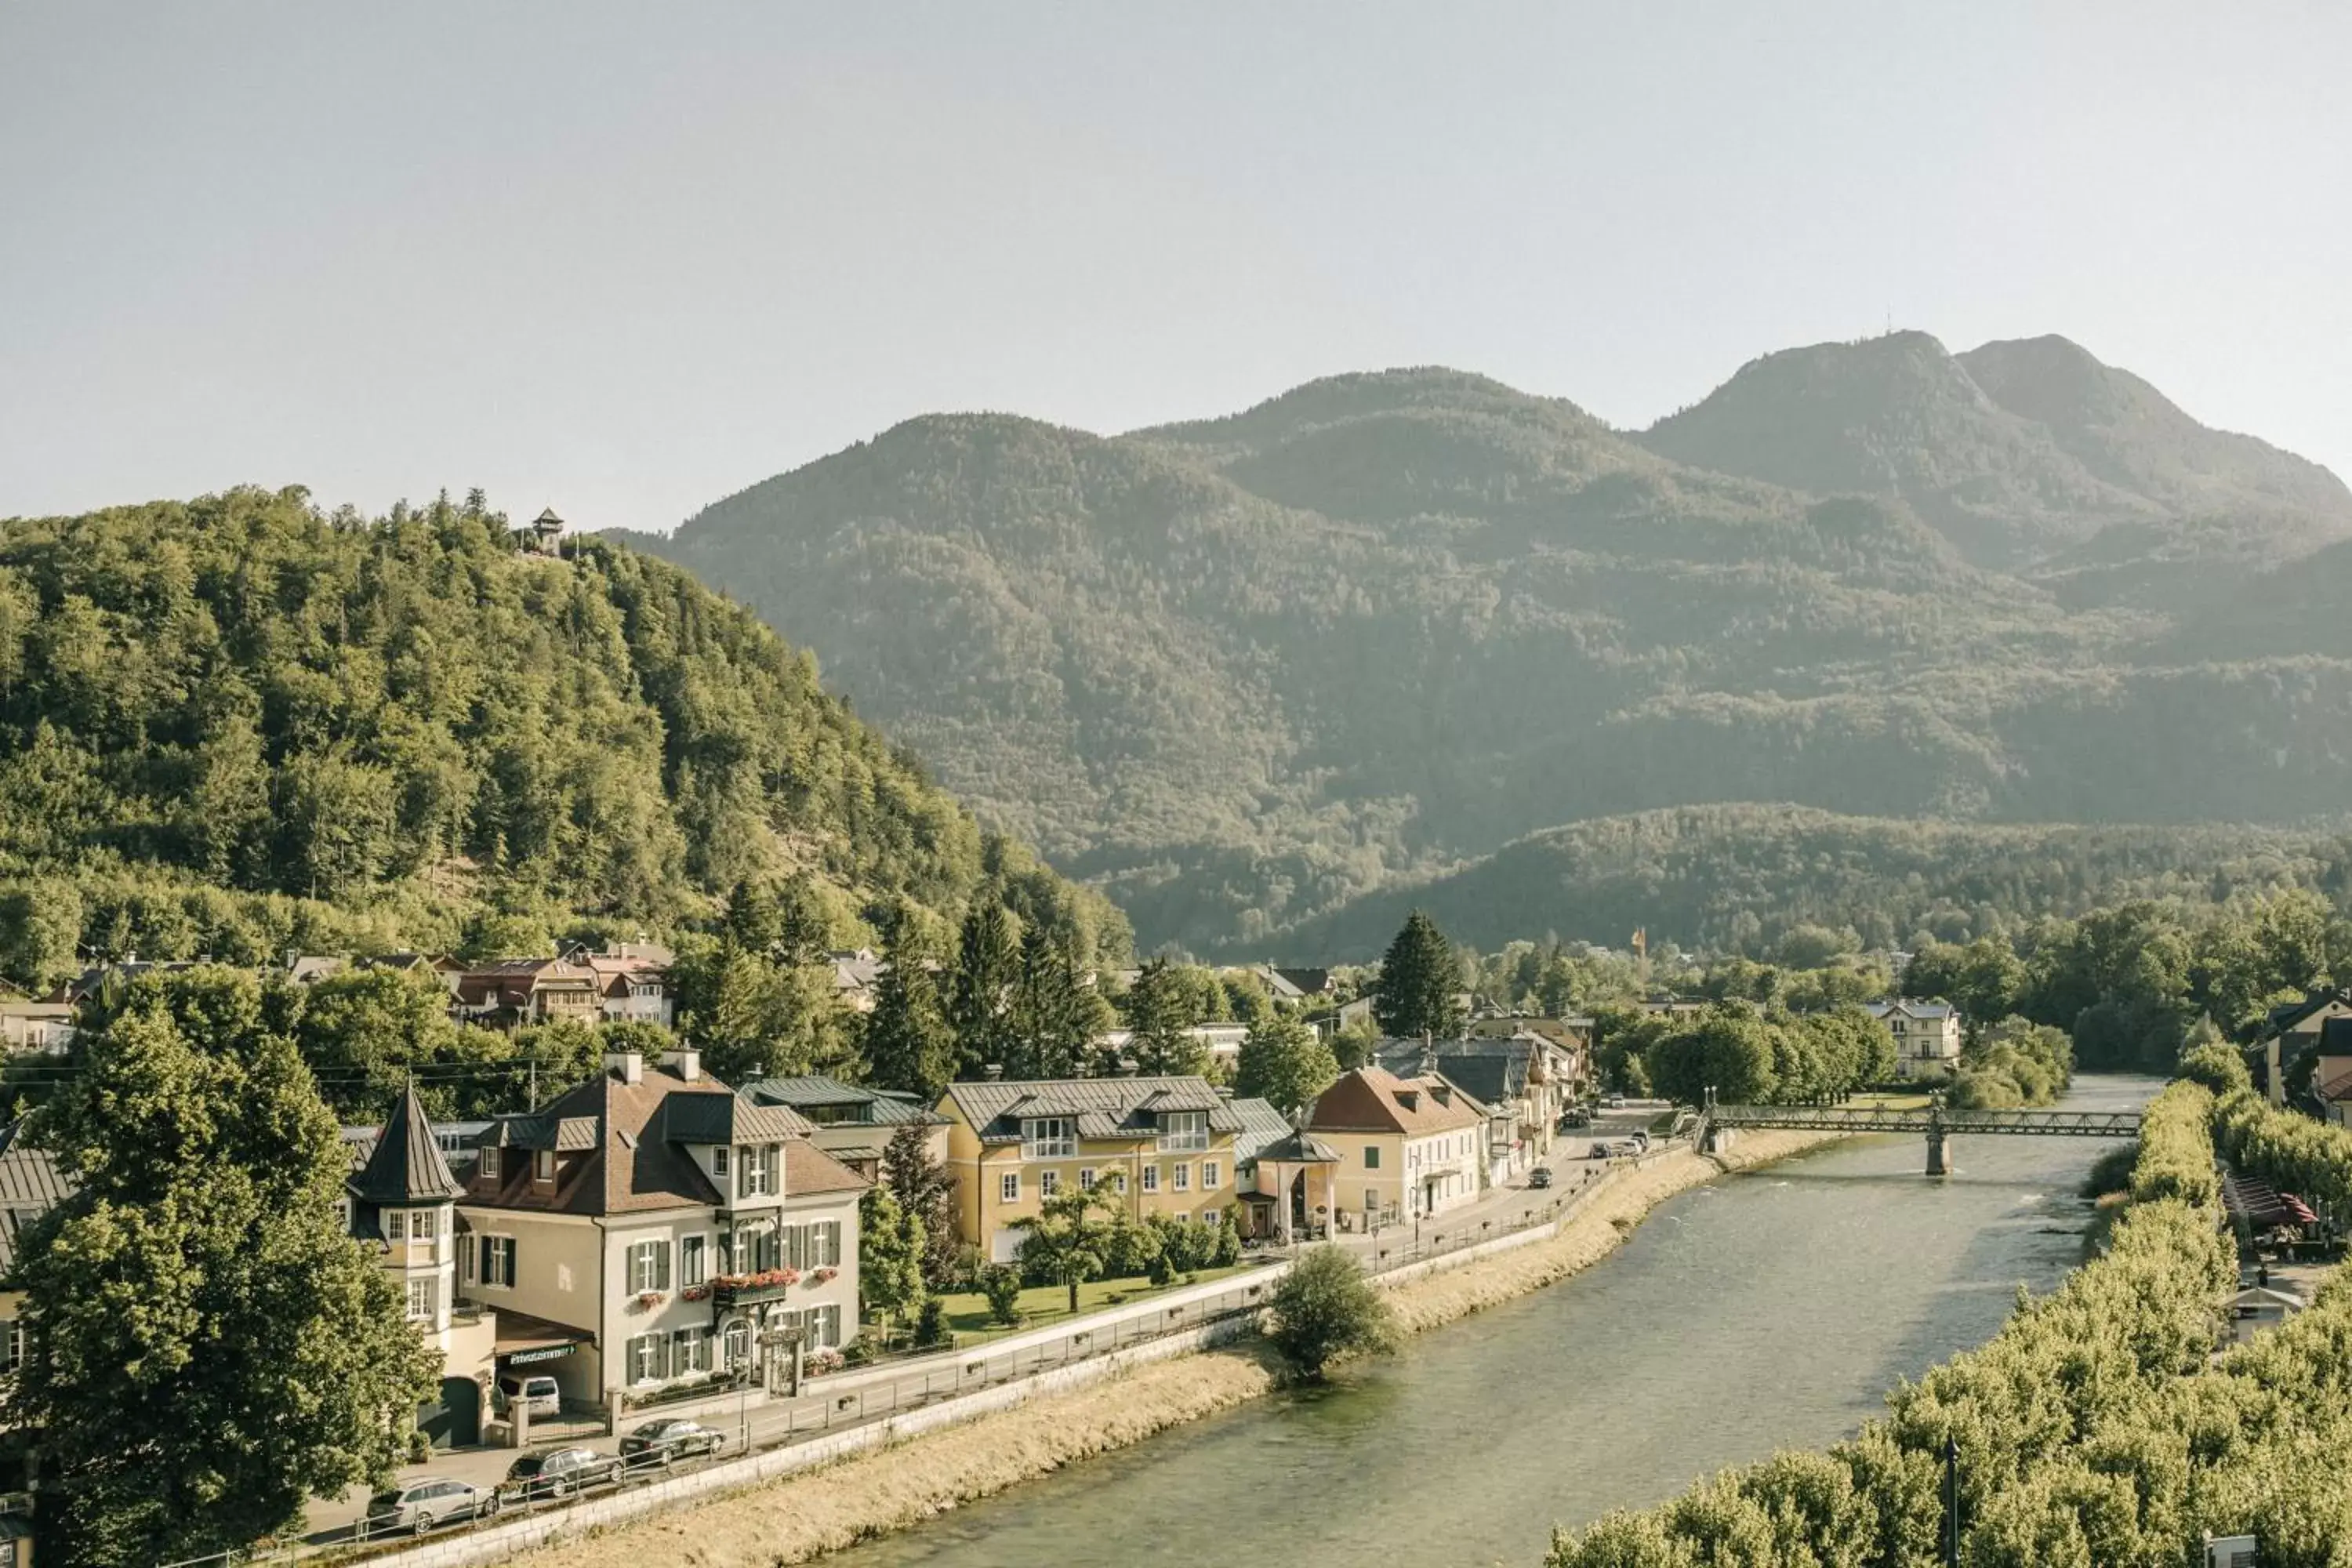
1603,1150
517,1390
420,1505
1574,1117
559,1473
662,1442
1540,1176
1616,1102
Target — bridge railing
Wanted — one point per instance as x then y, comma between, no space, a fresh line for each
1931,1118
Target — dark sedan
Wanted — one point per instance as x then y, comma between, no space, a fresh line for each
559,1473
664,1442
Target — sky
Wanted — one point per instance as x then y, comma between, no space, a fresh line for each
626,259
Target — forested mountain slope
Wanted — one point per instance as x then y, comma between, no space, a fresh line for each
1741,875
233,724
1240,670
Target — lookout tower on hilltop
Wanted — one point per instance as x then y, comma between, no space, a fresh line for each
545,534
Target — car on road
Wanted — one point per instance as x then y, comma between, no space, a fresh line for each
420,1505
1603,1150
559,1473
667,1441
1616,1102
1540,1176
521,1391
1574,1117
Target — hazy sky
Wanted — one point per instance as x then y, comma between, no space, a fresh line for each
626,259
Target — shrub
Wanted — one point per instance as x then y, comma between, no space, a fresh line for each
1002,1285
1326,1308
931,1322
2218,1067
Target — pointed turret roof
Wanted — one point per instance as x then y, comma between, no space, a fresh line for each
407,1165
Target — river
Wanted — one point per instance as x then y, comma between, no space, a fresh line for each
1769,1309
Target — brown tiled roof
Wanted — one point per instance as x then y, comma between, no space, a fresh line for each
621,1169
1372,1100
809,1169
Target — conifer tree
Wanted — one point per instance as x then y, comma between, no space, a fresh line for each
1415,993
1160,1016
987,965
908,1043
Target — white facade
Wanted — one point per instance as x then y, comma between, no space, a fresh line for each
1926,1036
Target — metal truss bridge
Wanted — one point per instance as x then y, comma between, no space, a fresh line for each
1938,1123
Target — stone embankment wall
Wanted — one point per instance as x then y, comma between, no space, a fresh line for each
874,1480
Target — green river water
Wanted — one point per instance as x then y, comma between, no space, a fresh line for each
1769,1309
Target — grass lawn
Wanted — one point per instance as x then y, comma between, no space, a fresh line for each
968,1310
1888,1101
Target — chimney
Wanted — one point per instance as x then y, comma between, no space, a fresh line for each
994,1072
629,1066
688,1065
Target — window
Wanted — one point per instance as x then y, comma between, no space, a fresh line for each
1049,1183
424,1224
735,1345
499,1261
1211,1216
1372,1156
758,1170
824,1240
1119,1180
424,1300
647,1358
689,1351
691,1267
1184,1130
719,1159
543,1165
649,1266
1049,1138
1086,1179
1210,1175
822,1327
467,1272
490,1164
1008,1187
393,1230
12,1345
1150,1178
1185,1176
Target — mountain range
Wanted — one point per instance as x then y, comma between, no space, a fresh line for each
1245,672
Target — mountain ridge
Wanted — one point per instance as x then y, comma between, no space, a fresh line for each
1238,670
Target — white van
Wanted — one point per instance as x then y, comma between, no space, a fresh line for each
536,1394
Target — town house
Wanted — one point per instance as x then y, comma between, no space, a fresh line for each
652,1228
513,992
1408,1147
1926,1036
401,1203
1164,1146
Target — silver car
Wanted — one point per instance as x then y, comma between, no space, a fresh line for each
420,1505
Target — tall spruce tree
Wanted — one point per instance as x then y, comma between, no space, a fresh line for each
988,963
1160,1016
908,1043
1416,991
207,1348
1055,1012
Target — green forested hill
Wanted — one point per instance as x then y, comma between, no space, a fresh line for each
234,724
1742,876
1242,670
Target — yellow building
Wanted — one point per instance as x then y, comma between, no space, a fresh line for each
1164,1144
1406,1146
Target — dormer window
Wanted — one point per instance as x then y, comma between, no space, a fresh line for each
488,1165
1181,1130
543,1166
721,1161
759,1170
1049,1138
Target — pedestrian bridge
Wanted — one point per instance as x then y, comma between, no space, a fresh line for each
1938,1123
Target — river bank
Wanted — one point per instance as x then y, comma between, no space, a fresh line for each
810,1515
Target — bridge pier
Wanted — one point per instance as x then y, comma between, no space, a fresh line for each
1719,1140
1939,1153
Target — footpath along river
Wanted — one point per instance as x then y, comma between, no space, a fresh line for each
1770,1309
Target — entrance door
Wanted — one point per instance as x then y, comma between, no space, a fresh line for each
455,1419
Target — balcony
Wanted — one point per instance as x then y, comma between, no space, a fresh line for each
749,1289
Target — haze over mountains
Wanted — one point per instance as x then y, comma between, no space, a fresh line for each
1244,670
